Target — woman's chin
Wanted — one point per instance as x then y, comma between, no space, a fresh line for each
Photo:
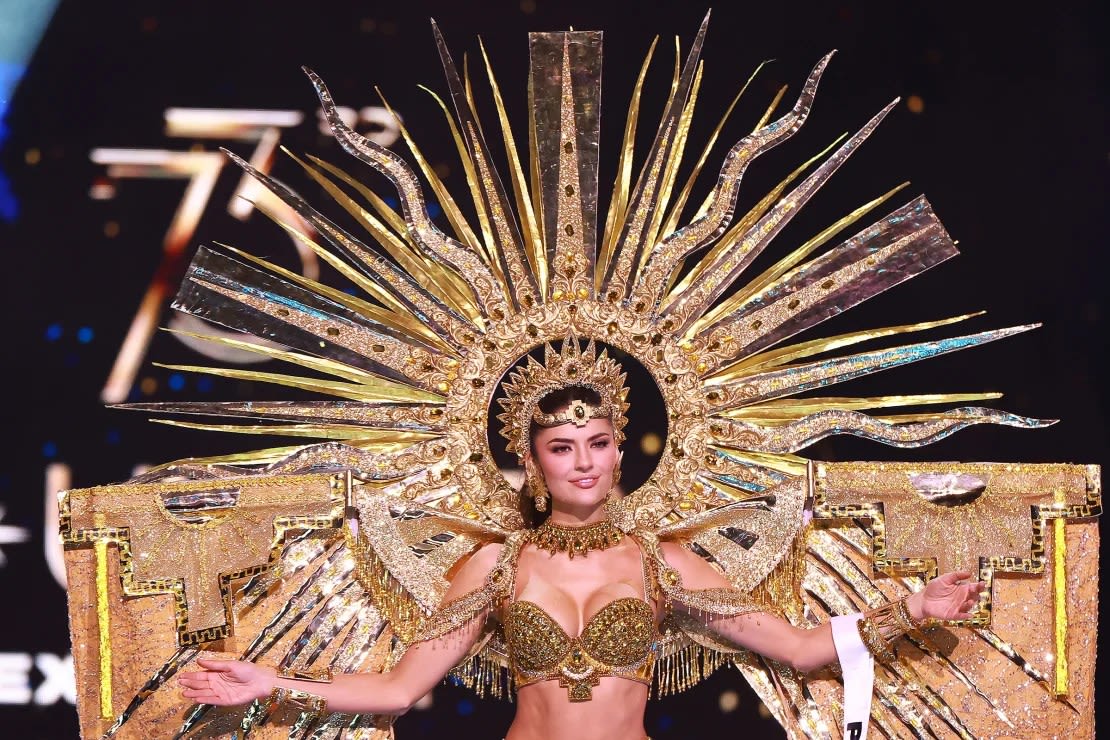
579,498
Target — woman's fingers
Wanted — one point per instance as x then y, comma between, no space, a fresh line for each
193,680
216,665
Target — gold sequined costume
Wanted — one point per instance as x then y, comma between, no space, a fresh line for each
338,552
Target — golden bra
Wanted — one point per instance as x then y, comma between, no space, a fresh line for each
618,640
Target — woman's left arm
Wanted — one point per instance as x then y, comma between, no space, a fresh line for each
950,596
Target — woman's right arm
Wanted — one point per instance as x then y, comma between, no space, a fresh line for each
424,664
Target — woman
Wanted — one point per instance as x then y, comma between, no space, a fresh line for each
582,602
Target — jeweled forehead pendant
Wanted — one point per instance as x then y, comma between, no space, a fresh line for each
569,367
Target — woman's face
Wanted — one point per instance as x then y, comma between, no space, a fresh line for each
576,464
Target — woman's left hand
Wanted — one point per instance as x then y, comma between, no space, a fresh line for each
947,597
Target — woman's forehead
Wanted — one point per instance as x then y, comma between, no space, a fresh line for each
570,432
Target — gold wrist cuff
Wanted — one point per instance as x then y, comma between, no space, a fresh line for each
315,675
302,700
874,641
305,701
880,627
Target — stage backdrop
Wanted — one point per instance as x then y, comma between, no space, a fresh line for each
112,177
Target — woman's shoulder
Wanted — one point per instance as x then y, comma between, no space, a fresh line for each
483,559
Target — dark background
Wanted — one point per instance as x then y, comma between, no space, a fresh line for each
1009,146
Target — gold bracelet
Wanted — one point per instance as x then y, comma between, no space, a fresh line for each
873,640
314,675
303,700
905,619
306,702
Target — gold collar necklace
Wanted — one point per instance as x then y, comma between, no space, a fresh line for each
573,541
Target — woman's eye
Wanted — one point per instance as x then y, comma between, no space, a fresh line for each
602,443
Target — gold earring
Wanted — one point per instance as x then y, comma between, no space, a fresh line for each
535,485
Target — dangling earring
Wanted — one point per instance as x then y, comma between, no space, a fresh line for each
535,485
610,498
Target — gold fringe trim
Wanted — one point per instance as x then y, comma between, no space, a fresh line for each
484,676
781,590
685,668
396,605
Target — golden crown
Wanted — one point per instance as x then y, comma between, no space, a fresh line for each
570,366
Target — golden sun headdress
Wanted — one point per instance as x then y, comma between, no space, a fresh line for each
404,368
417,360
570,366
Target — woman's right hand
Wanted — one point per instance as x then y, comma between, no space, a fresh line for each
227,682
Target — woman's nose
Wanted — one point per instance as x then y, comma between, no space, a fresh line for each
583,460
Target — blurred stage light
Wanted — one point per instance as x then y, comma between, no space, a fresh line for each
22,23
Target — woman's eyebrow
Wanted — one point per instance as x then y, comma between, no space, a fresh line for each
567,440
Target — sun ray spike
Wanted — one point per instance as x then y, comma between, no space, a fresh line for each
431,311
899,247
823,373
618,201
421,229
688,307
670,252
240,297
630,245
506,245
804,432
533,242
565,101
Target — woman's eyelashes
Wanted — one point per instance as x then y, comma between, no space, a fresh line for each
599,444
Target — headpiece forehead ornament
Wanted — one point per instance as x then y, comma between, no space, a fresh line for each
570,366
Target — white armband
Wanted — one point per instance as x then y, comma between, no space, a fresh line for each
858,667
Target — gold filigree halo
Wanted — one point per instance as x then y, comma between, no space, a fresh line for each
528,384
415,359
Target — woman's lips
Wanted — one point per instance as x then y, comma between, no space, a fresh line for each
585,482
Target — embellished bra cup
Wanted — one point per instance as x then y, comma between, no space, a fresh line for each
616,641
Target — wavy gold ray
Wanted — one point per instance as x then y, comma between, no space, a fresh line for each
533,240
671,251
422,270
741,227
718,277
387,438
447,279
618,203
385,213
671,221
898,431
413,297
743,294
466,261
443,196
